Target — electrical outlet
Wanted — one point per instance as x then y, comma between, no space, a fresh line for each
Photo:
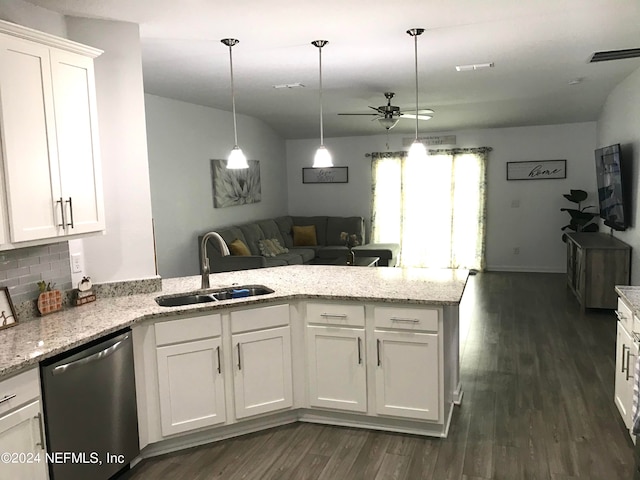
76,263
516,250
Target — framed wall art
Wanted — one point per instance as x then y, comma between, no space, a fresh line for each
540,170
325,175
8,317
235,187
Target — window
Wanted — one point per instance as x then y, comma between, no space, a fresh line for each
435,209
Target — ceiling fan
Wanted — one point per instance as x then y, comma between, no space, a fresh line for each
388,115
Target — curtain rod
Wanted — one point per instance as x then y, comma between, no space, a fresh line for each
450,151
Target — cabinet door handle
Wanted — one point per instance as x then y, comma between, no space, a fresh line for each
619,315
38,418
6,398
624,348
61,203
359,351
629,355
378,351
219,364
333,315
405,320
70,212
239,361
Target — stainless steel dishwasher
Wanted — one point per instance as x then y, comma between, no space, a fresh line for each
90,411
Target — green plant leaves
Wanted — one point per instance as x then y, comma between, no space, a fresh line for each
576,196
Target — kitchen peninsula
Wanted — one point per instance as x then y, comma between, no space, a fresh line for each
365,347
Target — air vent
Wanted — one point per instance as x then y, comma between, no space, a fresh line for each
615,55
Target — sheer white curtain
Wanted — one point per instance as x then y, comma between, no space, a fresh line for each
435,209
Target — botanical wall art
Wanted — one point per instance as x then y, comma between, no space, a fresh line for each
235,187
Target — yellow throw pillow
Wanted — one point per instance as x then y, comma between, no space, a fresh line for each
304,236
238,247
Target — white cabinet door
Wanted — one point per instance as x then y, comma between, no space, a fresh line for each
77,138
625,365
29,140
21,433
407,375
191,386
262,371
336,367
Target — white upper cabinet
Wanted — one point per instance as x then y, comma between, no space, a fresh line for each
50,147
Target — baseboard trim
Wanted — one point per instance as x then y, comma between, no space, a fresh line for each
523,269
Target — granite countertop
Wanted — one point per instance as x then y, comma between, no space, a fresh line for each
631,296
34,340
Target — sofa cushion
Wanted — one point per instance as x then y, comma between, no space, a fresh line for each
275,262
351,225
320,224
291,258
238,247
228,234
304,236
307,254
284,225
252,234
332,251
270,247
270,229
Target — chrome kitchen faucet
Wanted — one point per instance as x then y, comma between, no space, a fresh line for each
204,259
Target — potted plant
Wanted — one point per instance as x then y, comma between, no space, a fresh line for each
581,220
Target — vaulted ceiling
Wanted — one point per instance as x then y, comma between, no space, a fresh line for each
540,50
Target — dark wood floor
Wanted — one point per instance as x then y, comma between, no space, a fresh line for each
538,377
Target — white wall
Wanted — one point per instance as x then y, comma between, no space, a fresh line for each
619,122
182,139
38,18
534,227
126,250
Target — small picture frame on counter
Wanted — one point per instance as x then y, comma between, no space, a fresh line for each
8,317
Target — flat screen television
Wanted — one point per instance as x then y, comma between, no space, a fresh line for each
611,197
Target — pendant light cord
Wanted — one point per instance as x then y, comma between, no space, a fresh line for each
321,128
233,100
415,38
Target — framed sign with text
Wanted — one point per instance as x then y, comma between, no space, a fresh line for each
325,175
541,170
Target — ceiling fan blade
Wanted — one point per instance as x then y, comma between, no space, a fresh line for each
420,117
367,114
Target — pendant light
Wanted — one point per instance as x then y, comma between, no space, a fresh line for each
237,160
322,158
417,150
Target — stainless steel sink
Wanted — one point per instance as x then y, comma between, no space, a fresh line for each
241,291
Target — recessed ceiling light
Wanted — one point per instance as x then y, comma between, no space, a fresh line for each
289,85
576,81
474,66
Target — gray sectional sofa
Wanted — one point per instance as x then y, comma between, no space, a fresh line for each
329,245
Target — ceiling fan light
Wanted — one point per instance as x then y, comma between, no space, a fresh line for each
322,158
417,151
237,160
388,123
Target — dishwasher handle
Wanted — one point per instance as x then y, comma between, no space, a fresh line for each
60,369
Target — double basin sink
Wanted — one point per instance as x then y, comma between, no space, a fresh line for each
242,291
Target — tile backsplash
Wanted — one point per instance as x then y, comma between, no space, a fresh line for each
22,269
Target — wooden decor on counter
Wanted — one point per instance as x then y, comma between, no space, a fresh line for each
8,317
49,301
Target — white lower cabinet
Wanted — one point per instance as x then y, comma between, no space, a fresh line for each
191,385
407,383
626,354
262,371
336,368
22,428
